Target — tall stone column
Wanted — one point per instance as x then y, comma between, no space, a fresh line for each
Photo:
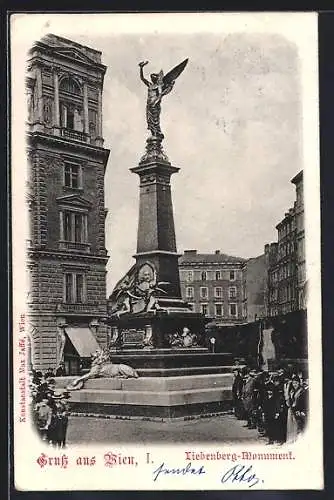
99,138
30,102
61,226
156,241
39,122
85,104
56,102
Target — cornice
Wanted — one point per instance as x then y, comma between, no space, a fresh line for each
34,137
54,254
63,52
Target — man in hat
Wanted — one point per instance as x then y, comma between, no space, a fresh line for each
237,386
259,394
273,406
65,411
270,414
248,398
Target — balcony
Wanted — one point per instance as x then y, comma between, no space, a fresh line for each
74,246
75,135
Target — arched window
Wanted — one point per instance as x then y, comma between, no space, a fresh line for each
70,85
71,105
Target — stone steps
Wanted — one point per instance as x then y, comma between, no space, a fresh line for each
170,385
185,383
171,372
151,398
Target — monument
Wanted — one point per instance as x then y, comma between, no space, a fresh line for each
146,308
153,331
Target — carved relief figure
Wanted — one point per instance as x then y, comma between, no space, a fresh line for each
186,339
47,111
137,291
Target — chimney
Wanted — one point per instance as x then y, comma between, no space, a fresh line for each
217,252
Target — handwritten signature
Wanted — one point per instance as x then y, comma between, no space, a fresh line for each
241,474
181,471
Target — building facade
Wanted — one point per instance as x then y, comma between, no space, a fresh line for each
66,161
213,285
254,287
286,280
298,181
270,293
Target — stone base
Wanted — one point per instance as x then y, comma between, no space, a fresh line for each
166,397
160,412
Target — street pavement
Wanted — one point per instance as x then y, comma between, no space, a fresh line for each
224,428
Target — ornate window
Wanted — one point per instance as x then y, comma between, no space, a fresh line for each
218,292
73,219
72,175
71,117
74,288
74,226
70,85
71,106
189,292
204,293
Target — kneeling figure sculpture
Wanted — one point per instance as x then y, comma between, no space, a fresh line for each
102,367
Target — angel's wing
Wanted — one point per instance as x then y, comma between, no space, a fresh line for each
161,77
123,284
172,75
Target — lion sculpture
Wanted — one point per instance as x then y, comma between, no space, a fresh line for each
102,367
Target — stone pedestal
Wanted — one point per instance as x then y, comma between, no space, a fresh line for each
150,307
167,396
146,312
152,330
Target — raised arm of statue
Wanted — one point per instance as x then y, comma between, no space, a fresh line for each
141,73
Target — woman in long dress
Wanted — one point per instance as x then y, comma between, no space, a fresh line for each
295,400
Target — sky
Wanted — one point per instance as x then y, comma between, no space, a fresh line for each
233,124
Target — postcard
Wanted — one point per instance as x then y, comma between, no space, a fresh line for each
166,251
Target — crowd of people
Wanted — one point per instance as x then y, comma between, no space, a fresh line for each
49,408
274,403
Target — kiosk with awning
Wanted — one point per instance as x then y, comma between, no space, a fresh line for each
80,344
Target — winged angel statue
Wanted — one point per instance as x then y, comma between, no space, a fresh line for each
159,86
